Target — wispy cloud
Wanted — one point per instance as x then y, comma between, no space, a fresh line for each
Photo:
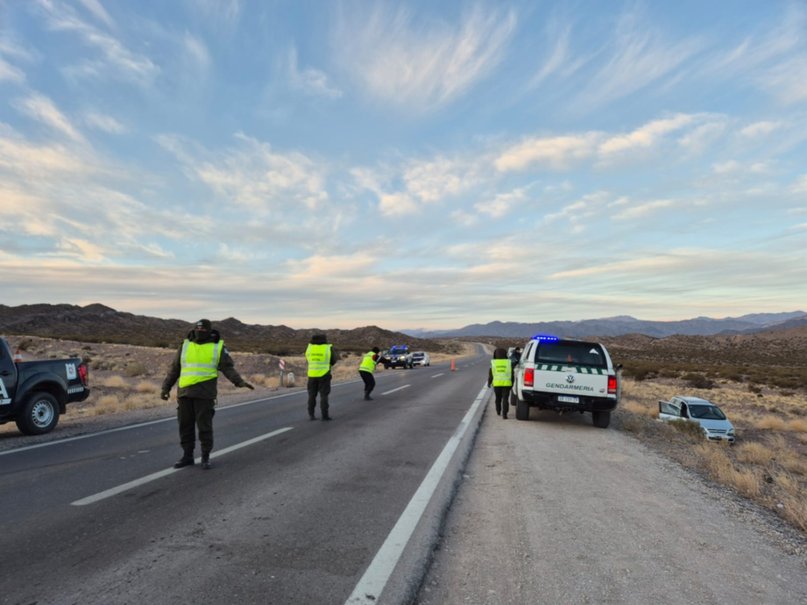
104,122
114,60
197,51
644,137
98,11
9,73
557,152
309,80
420,66
42,109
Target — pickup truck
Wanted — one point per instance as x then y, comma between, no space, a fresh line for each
566,375
35,393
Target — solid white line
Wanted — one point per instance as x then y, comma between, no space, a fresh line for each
372,583
440,374
406,386
159,474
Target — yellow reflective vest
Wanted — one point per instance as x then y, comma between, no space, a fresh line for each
199,362
502,372
368,363
319,360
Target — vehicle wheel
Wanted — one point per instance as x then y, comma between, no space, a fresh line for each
601,419
522,409
39,414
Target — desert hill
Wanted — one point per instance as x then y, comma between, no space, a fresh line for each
99,323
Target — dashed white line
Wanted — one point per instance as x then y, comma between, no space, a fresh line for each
406,386
159,474
436,375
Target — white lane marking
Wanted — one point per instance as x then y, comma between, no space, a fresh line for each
159,474
440,374
372,583
406,386
150,422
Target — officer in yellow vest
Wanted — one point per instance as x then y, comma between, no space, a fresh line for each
197,365
320,357
366,369
500,377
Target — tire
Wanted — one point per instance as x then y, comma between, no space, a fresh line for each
522,409
40,414
601,419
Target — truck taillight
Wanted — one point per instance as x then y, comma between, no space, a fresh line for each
612,385
529,377
83,373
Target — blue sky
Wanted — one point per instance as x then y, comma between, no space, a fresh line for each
404,164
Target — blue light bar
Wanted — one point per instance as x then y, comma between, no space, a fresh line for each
545,338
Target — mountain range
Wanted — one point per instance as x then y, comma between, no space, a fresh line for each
625,324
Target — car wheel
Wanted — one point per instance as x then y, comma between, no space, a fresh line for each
601,419
522,409
39,414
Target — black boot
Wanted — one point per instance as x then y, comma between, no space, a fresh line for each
206,464
186,460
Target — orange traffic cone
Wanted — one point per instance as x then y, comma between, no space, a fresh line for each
17,356
453,366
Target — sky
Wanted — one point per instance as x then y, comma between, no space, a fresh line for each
404,164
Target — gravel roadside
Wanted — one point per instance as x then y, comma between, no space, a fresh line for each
556,511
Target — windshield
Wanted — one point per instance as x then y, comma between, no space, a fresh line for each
706,412
571,353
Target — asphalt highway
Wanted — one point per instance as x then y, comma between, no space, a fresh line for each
294,511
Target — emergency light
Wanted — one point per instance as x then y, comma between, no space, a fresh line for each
545,338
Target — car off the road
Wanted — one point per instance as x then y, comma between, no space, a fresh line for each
566,375
421,358
716,426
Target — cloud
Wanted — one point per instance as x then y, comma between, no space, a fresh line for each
9,73
104,122
645,136
197,51
420,66
502,203
761,129
252,175
114,60
42,109
28,160
554,152
311,81
643,210
635,58
98,11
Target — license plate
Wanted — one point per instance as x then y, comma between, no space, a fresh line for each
568,399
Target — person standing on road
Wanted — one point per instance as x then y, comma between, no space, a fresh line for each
366,370
500,377
320,357
196,365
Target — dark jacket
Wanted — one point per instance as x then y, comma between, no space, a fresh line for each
208,388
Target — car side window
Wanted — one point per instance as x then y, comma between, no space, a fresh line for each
684,413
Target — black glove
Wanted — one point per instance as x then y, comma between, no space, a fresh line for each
165,395
249,386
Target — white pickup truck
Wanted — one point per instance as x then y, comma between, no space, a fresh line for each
566,376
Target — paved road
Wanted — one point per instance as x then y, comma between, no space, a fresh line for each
294,511
557,511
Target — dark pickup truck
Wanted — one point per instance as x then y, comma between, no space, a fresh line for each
35,393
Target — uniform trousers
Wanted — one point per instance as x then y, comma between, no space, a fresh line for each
502,400
193,413
369,382
318,385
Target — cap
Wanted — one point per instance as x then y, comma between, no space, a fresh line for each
375,349
203,324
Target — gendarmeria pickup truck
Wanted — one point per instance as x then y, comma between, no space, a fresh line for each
566,376
35,393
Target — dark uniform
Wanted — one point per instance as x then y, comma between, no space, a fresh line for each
500,377
197,363
368,363
320,357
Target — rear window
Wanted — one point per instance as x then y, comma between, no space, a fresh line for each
571,353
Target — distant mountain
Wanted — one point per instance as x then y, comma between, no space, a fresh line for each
98,323
621,325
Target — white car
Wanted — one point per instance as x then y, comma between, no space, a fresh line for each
420,358
715,425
